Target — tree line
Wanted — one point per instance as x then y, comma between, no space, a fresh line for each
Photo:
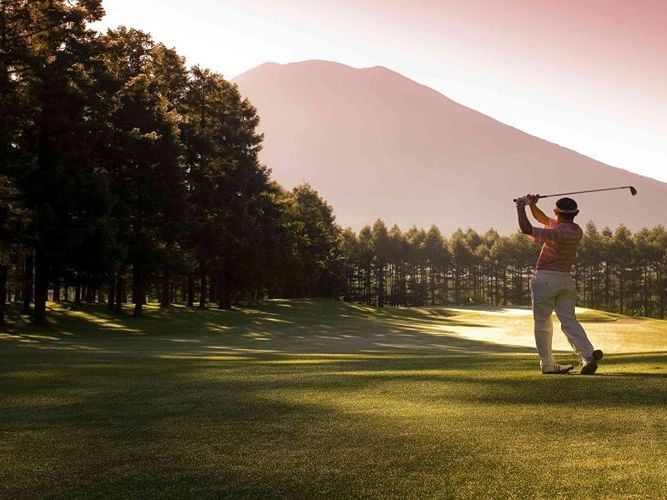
125,175
616,270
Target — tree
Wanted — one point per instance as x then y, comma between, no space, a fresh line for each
144,160
437,258
58,171
622,253
314,263
380,240
416,281
462,257
398,256
235,220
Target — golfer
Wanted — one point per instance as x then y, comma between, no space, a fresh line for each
553,287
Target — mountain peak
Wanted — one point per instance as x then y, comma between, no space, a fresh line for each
316,65
379,145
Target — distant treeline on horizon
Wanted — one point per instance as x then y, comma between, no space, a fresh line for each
127,177
616,270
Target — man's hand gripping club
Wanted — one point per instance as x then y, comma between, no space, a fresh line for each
530,200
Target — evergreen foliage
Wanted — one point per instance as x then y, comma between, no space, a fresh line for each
617,271
126,176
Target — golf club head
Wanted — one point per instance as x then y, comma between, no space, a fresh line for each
633,191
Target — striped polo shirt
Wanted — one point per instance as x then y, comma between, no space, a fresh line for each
560,245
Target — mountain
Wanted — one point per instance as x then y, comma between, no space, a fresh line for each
378,145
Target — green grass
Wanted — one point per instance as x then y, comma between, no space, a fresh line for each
322,399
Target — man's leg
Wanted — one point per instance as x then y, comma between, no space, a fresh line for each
565,303
543,306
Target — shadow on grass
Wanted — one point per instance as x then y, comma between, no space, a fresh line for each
190,403
212,438
264,426
278,327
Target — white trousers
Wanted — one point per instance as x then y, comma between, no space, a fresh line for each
552,290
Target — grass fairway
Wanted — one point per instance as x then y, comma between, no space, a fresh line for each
323,399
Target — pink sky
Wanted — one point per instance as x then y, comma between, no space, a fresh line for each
589,75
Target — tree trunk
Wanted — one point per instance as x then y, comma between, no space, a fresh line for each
92,291
56,289
444,299
226,296
662,291
367,291
457,286
28,275
621,290
138,292
202,289
111,299
224,292
213,288
381,283
431,283
165,299
41,288
219,290
123,290
645,287
3,292
119,286
191,290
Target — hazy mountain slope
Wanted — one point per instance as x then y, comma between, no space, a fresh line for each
378,145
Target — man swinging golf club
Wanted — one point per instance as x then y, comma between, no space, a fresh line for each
552,287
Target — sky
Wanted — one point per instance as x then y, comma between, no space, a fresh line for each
590,75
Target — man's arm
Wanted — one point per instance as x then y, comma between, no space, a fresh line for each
524,223
540,216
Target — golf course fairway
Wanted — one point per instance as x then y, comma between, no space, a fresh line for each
315,398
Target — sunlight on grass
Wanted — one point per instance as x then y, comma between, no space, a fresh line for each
298,362
257,337
100,321
338,402
218,357
217,327
501,311
28,337
277,320
610,332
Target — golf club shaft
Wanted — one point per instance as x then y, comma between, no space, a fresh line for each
581,192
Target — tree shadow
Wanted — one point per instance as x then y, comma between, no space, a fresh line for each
304,326
256,427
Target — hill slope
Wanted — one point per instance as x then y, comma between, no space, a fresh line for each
321,327
378,145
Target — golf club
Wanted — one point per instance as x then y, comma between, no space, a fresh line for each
632,189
